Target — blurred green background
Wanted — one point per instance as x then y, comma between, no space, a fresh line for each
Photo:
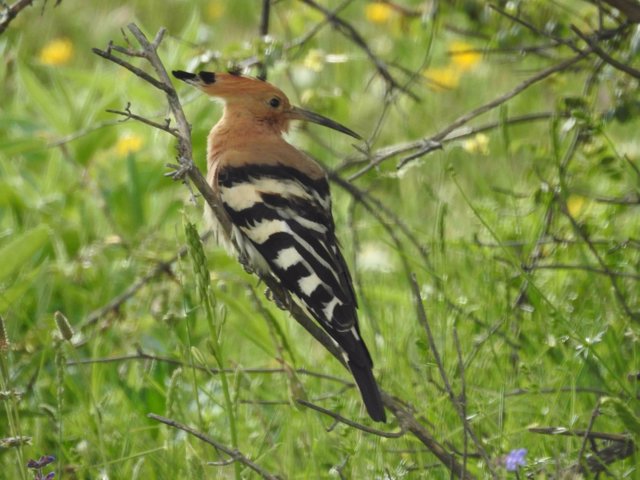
524,239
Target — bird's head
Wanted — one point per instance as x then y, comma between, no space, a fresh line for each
261,99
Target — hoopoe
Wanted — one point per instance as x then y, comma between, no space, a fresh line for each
279,204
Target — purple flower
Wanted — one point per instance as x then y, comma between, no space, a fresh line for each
39,465
515,459
43,462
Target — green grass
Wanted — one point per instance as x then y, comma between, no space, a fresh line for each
81,220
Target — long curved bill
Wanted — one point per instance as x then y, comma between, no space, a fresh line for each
296,113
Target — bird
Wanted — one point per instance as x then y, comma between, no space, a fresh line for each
278,201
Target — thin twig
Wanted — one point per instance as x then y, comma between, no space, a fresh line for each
604,55
459,134
463,119
352,34
236,455
607,271
462,400
317,27
554,391
114,304
393,224
537,31
428,144
141,355
264,31
555,240
135,70
587,433
629,199
424,322
407,420
11,12
586,268
630,8
351,423
611,437
83,132
128,114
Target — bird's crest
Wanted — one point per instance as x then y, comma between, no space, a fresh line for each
257,96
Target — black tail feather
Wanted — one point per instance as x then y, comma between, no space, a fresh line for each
369,391
361,367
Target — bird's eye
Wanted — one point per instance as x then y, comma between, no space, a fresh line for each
274,102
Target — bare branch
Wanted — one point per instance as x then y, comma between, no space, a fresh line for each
135,70
351,423
424,322
612,437
394,225
593,43
586,436
612,277
236,455
586,268
141,355
407,421
619,446
11,12
631,8
459,134
352,34
537,31
115,304
128,114
428,144
554,391
264,31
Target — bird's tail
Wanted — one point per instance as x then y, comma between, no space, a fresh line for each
369,390
361,366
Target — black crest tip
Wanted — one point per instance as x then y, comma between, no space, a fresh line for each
207,77
182,75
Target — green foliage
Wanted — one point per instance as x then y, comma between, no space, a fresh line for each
523,236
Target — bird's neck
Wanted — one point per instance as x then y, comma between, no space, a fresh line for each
236,129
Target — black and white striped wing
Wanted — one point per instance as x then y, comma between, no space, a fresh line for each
282,221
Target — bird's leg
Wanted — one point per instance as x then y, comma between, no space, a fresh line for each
246,264
181,170
282,304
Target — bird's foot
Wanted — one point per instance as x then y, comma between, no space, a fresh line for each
282,305
179,171
244,261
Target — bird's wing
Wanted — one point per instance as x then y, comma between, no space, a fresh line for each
284,215
282,221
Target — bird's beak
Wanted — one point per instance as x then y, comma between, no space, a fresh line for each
296,113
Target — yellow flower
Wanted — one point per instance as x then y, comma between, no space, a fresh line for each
477,144
56,52
314,60
215,9
442,78
575,204
128,143
378,12
463,55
